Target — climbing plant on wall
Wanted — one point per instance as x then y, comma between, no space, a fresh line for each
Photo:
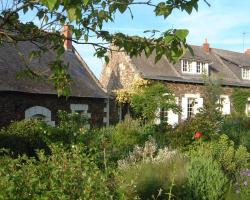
239,98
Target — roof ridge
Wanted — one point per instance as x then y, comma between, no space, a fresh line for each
221,61
220,49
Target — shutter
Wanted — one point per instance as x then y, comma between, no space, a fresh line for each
184,103
226,106
158,116
173,118
198,104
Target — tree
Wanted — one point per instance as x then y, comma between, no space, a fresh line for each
86,18
157,96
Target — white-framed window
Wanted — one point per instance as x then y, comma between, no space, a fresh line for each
198,67
80,108
39,112
193,67
162,115
225,106
246,73
190,107
184,65
191,103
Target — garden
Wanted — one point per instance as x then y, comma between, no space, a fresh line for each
205,157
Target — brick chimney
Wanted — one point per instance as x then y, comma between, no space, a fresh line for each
67,34
206,46
247,52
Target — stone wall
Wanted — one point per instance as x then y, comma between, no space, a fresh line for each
14,104
180,89
119,72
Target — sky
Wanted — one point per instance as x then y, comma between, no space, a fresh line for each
223,24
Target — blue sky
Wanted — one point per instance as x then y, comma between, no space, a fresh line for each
222,24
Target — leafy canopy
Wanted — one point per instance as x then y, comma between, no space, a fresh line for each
87,19
147,101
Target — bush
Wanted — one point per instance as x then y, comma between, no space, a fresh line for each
208,120
205,122
65,174
183,135
27,136
237,127
146,101
206,180
231,158
24,137
117,141
150,173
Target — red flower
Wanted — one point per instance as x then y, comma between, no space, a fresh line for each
198,135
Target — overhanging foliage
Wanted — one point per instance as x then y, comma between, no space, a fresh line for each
87,19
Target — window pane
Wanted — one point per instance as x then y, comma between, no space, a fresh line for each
38,116
198,67
246,73
190,67
184,65
191,103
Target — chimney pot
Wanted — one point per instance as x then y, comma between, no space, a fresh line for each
206,46
247,52
67,32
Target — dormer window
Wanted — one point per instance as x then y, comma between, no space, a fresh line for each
198,67
246,73
193,67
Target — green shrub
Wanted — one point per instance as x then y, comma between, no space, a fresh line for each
65,174
241,189
124,136
183,135
237,127
27,136
72,122
239,98
231,158
208,120
146,101
24,137
206,180
150,173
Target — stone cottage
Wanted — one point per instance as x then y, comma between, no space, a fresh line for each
185,78
26,98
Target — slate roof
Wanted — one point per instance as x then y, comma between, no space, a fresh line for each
222,63
84,83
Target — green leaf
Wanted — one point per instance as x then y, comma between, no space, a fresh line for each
78,34
163,9
72,14
106,59
25,9
40,14
85,2
51,4
86,38
168,39
182,33
122,7
103,4
189,7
